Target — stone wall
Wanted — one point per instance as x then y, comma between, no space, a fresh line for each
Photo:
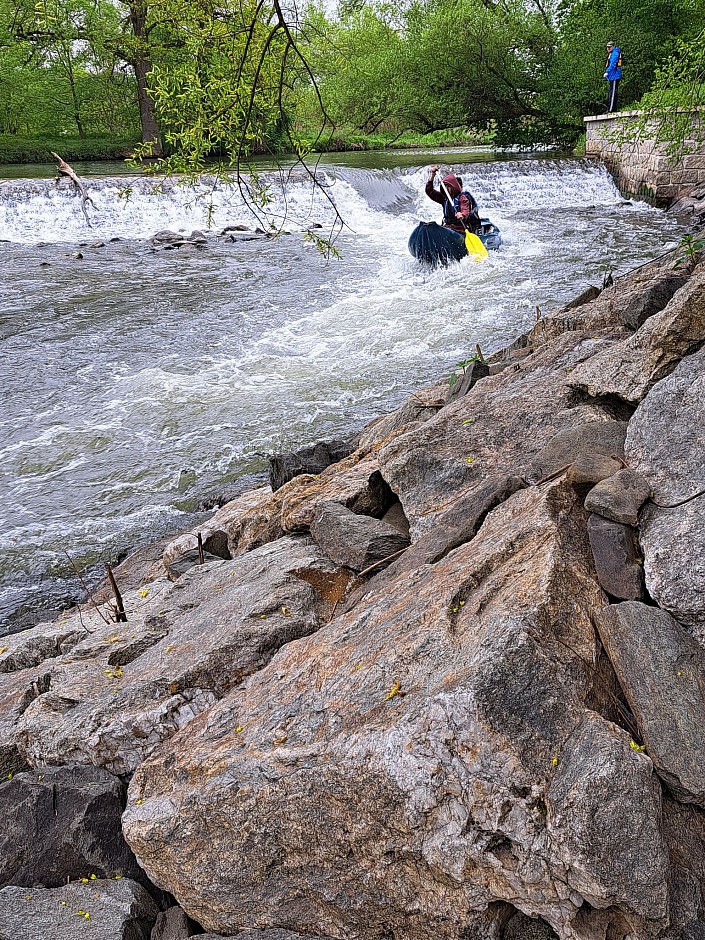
643,168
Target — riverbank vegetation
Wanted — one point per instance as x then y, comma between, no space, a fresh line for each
194,79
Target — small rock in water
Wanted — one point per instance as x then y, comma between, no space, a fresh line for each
77,254
45,264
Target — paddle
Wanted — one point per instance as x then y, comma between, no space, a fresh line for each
473,244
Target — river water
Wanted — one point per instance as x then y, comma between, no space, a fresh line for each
136,383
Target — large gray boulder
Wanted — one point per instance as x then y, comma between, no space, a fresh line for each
491,434
395,767
661,669
633,366
617,561
665,444
61,824
619,497
99,910
284,467
355,541
126,687
577,445
602,794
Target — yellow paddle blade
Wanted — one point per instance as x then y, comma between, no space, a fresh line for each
475,247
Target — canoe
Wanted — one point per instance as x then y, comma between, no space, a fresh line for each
435,244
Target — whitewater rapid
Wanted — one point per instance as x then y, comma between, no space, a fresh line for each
137,383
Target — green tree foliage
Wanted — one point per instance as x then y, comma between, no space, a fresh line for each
530,70
55,57
233,77
667,108
221,88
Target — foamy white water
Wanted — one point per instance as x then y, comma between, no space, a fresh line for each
135,382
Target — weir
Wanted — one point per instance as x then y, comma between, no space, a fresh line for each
640,162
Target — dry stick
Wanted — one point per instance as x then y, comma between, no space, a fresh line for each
681,503
201,559
121,616
538,313
88,594
480,357
381,562
65,170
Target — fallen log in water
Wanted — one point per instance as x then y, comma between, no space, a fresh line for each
65,170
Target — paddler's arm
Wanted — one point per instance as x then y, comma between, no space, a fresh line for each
431,190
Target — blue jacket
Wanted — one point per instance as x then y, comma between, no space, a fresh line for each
613,68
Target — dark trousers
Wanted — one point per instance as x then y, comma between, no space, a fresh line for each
614,84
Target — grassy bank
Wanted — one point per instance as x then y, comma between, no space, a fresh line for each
38,150
343,139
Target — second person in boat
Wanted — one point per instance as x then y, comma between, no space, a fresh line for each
460,211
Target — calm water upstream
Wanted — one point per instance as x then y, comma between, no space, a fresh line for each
135,382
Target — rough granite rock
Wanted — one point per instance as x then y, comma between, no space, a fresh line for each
391,772
651,299
284,467
633,366
220,534
619,497
466,379
101,910
521,927
172,924
684,833
588,469
355,541
18,689
661,669
665,444
617,560
127,687
600,777
275,934
584,442
616,307
418,408
355,483
61,824
491,434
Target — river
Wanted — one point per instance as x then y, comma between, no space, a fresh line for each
137,383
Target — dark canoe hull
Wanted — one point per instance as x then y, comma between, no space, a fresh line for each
435,244
489,235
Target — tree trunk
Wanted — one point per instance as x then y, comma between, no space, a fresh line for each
148,118
141,64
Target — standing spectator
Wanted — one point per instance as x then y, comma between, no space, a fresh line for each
613,73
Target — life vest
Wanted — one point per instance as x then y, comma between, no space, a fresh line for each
450,208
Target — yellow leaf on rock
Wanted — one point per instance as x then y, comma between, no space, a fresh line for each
3,649
144,592
639,748
395,690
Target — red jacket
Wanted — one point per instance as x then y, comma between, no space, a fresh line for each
463,202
